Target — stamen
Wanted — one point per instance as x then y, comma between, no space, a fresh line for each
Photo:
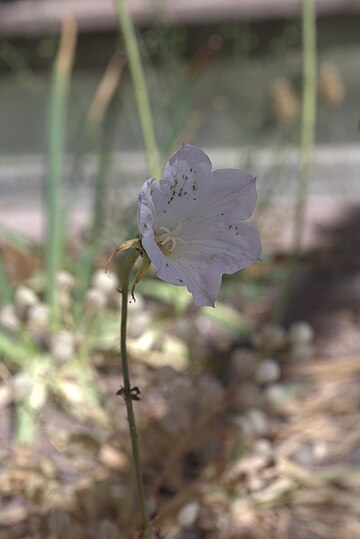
169,236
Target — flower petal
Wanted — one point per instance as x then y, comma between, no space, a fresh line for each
187,170
201,280
187,161
228,248
198,196
146,210
201,263
240,185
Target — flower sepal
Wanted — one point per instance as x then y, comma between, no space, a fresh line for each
134,243
141,272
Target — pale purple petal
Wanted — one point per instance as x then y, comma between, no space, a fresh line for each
201,280
243,187
146,211
187,163
226,249
193,223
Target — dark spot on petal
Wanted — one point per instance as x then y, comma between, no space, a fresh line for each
230,226
191,170
222,214
185,192
194,198
145,225
181,281
167,265
237,233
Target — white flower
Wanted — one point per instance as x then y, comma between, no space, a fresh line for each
193,223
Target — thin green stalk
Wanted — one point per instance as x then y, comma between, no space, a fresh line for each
6,289
91,130
141,94
107,138
14,352
27,412
57,126
129,264
308,116
308,123
89,252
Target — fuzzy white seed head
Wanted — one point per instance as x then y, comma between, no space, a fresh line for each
95,299
65,280
8,320
267,371
106,282
62,346
25,297
259,421
39,315
301,333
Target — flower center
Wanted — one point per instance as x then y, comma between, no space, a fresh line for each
167,240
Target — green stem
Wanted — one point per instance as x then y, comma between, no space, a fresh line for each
57,131
141,94
308,116
308,121
130,261
6,288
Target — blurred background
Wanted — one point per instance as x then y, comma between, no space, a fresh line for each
249,413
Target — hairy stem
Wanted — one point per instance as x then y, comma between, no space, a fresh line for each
129,264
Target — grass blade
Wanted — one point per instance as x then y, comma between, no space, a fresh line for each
308,122
57,129
6,290
141,94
